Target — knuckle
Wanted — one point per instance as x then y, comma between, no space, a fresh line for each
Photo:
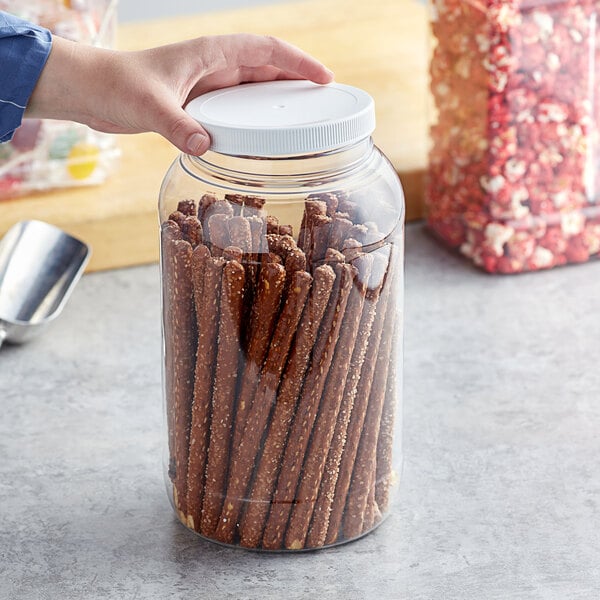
178,127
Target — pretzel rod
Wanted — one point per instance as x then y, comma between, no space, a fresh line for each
264,318
372,512
365,463
178,217
295,261
182,340
246,205
203,205
258,229
240,233
333,256
191,229
339,231
308,406
187,207
302,232
352,249
169,233
330,410
272,224
281,244
256,205
206,272
373,233
232,289
346,205
257,232
383,477
351,403
236,201
274,227
218,233
233,253
379,298
271,257
319,232
246,452
365,522
257,508
184,345
358,232
215,207
311,209
285,247
330,199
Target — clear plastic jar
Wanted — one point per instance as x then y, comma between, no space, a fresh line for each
282,274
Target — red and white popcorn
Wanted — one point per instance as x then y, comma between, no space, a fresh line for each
514,178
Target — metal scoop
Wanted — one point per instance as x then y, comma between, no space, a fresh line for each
39,267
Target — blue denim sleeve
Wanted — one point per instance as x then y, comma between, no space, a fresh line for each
24,49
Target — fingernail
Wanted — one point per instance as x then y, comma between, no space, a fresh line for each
196,143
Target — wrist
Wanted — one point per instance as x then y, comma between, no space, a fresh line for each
66,83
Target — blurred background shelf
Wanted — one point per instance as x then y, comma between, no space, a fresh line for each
380,46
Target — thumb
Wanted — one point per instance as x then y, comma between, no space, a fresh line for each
183,131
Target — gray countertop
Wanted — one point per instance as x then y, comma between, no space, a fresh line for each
500,496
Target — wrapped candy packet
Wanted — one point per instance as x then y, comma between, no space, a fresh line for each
46,154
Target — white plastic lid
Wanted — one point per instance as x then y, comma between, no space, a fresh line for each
279,118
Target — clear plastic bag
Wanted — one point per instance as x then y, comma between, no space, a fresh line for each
46,154
513,178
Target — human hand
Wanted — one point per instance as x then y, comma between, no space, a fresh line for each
133,92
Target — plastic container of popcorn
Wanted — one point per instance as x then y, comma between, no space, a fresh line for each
282,281
513,178
46,154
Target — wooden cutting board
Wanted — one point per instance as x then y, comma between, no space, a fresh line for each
380,46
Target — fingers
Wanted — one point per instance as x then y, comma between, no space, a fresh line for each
255,51
182,130
291,59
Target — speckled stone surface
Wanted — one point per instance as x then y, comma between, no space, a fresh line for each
500,495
